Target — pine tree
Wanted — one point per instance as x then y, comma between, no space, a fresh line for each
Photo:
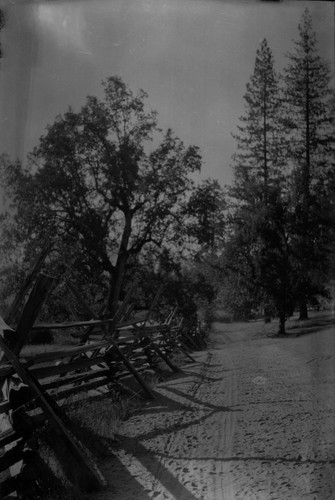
308,125
259,241
258,159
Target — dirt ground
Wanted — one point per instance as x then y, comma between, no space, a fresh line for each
253,418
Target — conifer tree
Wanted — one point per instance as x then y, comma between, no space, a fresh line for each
309,140
259,241
258,160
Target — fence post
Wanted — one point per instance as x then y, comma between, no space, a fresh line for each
50,409
30,311
124,359
140,332
36,268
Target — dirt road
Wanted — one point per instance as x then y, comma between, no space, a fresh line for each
253,418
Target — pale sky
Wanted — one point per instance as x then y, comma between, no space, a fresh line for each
192,57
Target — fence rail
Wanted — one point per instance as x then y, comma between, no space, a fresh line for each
109,351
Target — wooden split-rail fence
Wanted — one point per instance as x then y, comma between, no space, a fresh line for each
109,353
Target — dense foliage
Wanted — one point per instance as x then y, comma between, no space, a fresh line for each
94,189
107,188
116,197
281,214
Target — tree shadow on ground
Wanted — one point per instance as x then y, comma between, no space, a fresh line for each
193,399
188,373
264,459
165,404
307,327
151,464
149,460
276,402
312,326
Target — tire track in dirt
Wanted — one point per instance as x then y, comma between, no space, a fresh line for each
199,450
285,438
253,419
169,448
177,447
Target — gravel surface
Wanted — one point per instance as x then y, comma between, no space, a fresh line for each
253,418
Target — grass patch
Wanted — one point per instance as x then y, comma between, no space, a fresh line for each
61,340
94,421
102,415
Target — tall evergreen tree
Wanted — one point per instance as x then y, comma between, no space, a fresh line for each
257,258
258,160
259,241
309,139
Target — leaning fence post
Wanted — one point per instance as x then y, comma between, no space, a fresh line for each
120,312
154,303
4,331
121,355
36,268
171,316
141,333
30,311
50,410
165,358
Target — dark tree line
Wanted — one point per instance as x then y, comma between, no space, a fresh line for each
282,199
115,196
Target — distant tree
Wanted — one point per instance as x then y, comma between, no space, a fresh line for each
93,187
256,259
239,293
185,287
310,139
259,156
206,214
280,222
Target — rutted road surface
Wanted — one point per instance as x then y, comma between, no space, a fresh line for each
253,418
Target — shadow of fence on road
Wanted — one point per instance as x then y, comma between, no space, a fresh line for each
149,459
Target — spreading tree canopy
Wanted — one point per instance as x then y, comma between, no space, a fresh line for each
94,184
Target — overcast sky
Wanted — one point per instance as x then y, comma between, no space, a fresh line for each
193,58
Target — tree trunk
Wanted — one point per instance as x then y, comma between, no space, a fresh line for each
303,313
290,309
267,315
282,320
120,267
117,284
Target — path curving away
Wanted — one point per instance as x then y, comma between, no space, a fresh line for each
253,418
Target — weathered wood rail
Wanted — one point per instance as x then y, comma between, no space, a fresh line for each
35,387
